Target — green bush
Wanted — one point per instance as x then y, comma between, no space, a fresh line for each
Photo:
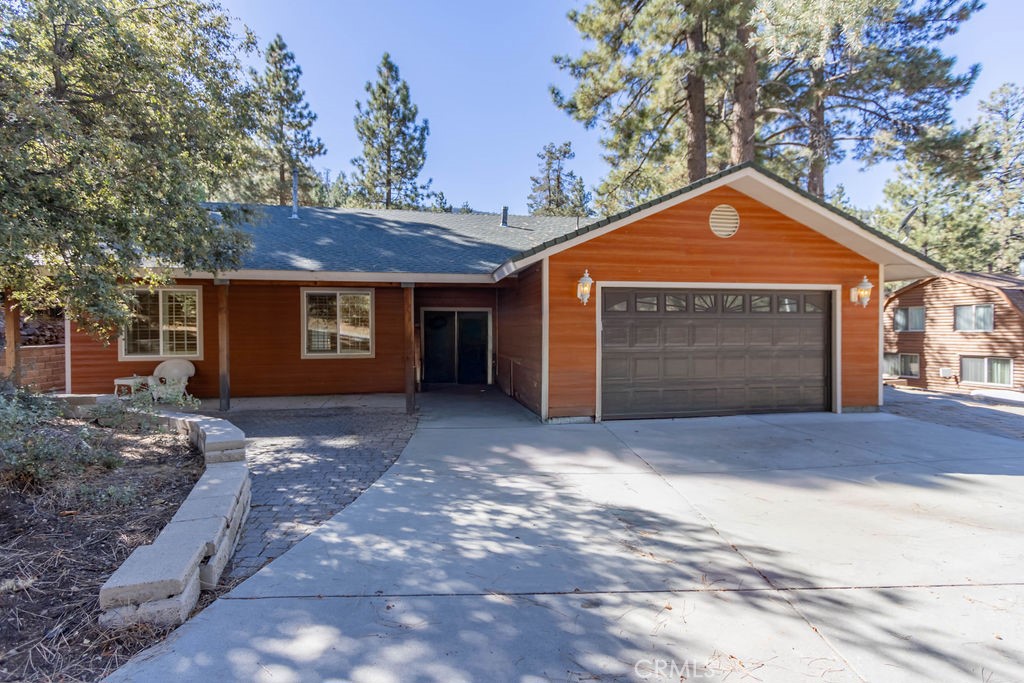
37,445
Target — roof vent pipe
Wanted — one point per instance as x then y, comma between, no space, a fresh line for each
504,216
295,192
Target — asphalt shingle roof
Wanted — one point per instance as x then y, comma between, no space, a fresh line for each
392,241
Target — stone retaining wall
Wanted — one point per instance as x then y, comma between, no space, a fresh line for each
160,583
42,367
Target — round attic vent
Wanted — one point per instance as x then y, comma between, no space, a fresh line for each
724,220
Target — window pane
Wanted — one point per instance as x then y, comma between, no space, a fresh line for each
703,303
899,319
732,303
963,318
814,303
616,301
999,371
675,303
788,304
355,322
910,365
892,364
915,319
646,303
972,370
760,304
321,323
180,323
142,336
983,317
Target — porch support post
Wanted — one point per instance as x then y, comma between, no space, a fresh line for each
223,353
12,333
408,289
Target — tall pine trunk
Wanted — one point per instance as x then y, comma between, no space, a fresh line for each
282,193
744,111
697,145
818,138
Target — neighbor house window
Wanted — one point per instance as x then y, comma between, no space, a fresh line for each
165,323
902,365
337,323
987,371
909,319
973,318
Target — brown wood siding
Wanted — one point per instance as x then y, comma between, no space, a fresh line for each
518,345
266,343
940,346
94,365
676,245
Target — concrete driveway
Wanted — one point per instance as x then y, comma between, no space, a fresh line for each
777,548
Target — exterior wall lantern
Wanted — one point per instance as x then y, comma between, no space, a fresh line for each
583,287
861,294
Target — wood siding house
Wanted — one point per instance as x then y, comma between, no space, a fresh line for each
957,332
731,295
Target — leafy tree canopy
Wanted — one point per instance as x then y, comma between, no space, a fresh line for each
118,118
394,143
557,191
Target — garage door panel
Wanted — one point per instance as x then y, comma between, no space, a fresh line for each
706,335
676,353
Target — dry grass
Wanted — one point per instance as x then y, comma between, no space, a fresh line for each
58,546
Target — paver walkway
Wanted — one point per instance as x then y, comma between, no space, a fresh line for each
955,410
306,466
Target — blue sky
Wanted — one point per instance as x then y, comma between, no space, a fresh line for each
480,72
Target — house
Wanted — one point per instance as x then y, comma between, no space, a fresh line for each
731,295
957,331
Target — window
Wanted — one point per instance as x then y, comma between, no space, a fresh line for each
675,303
165,323
909,319
646,303
704,303
337,323
902,365
987,371
973,318
732,303
760,304
789,304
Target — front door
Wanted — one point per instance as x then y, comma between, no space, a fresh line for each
455,347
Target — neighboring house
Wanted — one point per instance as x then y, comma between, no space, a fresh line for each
957,331
728,296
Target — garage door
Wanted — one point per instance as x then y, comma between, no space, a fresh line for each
671,353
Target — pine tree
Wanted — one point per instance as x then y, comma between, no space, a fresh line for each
394,143
285,121
557,191
683,88
967,223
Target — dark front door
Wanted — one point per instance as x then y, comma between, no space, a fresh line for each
455,347
674,353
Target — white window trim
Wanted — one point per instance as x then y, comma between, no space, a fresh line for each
973,331
128,358
372,353
960,369
909,329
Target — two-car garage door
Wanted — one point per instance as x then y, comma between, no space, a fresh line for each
683,352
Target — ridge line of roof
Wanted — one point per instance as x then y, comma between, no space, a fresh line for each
713,178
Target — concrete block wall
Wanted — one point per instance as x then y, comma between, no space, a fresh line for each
42,367
160,583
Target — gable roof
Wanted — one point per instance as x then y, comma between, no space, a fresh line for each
391,241
421,246
1009,286
900,261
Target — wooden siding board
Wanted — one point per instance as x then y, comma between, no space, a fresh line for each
265,343
940,346
519,338
677,245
